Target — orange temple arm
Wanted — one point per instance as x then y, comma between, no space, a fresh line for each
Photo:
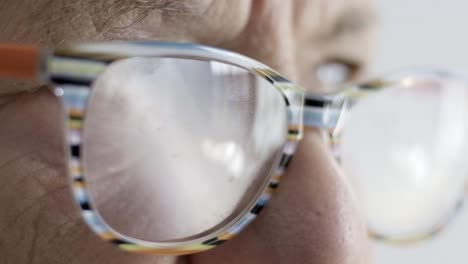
19,62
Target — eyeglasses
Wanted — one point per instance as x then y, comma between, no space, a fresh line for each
403,141
175,148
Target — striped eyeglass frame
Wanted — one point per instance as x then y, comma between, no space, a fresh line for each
71,70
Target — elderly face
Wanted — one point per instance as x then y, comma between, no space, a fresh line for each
313,217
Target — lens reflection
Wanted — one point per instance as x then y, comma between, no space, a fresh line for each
175,147
405,150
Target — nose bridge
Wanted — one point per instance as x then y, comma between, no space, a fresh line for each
283,57
269,37
279,44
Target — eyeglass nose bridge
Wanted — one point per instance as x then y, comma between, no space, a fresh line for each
328,111
324,112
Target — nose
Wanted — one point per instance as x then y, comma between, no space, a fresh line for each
313,216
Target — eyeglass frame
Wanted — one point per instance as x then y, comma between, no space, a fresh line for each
71,69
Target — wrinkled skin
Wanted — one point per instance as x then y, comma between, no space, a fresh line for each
313,217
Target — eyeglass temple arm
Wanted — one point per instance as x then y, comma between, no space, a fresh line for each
322,111
19,62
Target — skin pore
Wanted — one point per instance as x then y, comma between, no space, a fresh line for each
312,218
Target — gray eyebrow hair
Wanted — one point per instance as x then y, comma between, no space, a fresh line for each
145,8
163,6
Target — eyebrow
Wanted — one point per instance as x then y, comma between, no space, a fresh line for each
163,6
146,7
353,21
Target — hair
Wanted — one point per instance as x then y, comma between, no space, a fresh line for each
145,7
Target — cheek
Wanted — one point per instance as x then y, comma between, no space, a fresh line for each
33,186
39,221
311,217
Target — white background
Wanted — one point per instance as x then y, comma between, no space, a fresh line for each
425,33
